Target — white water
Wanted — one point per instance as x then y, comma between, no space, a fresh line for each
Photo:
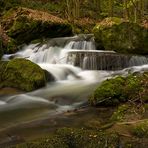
71,88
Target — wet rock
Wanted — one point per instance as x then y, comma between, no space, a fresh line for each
21,74
121,36
49,76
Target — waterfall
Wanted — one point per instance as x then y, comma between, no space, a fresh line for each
103,60
77,67
85,45
78,51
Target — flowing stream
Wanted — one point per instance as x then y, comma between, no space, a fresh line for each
77,68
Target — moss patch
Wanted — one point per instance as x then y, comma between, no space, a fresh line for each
22,74
109,93
75,138
120,89
121,36
119,114
141,129
52,141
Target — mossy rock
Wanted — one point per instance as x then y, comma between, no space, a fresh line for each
21,74
109,93
121,36
24,25
120,89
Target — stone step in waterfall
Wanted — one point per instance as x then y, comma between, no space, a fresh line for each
103,60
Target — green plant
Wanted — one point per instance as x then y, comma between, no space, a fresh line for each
141,129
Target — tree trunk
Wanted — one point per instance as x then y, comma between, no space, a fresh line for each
126,9
111,7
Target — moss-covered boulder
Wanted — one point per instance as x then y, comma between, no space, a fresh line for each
21,74
121,36
121,89
110,92
24,25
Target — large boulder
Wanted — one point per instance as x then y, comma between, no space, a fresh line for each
120,89
24,25
21,74
121,36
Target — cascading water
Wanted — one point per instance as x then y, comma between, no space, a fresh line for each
73,84
103,60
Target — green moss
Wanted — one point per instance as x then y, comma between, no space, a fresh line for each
146,106
79,138
52,141
22,74
11,46
24,25
23,29
81,28
141,129
121,36
132,86
74,138
3,65
109,93
120,89
119,114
